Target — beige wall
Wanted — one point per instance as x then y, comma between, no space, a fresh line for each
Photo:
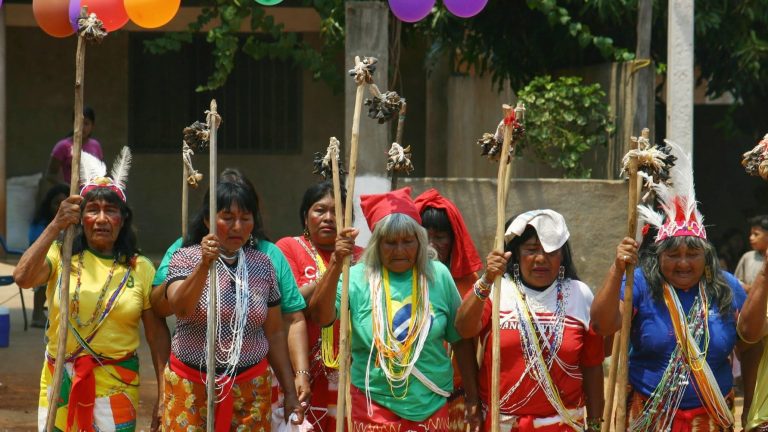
595,211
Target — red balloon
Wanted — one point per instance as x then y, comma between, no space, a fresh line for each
53,17
110,12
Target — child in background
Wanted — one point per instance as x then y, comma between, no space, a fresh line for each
751,262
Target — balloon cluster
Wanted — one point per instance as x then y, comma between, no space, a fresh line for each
59,18
416,10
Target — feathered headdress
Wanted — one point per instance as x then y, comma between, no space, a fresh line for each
93,173
678,201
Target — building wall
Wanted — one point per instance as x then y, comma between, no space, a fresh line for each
595,212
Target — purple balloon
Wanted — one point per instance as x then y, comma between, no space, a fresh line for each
74,13
465,8
411,10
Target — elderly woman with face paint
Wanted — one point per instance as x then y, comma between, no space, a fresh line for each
684,313
551,375
109,288
402,307
449,236
250,325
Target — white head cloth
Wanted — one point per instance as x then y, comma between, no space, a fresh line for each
549,225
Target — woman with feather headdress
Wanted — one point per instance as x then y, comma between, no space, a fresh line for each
109,294
685,310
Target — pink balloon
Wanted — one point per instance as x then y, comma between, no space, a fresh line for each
411,10
465,8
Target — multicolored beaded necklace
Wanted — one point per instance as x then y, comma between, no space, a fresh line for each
75,301
328,348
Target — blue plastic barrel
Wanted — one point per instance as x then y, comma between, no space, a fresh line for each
5,326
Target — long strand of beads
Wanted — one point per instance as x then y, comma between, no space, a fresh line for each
75,302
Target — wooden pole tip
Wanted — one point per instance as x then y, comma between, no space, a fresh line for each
646,133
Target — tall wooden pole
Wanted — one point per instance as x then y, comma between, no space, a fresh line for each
501,205
399,140
341,401
211,331
69,236
626,323
184,197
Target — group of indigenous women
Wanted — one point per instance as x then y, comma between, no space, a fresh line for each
420,319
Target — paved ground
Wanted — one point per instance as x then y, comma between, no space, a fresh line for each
21,363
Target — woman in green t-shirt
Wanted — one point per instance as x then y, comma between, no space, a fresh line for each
402,304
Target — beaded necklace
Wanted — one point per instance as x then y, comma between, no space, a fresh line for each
75,302
687,359
230,354
540,344
327,345
394,356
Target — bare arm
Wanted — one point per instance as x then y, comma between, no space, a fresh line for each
32,269
295,327
749,355
159,340
606,310
592,385
159,301
322,306
54,172
279,359
184,295
752,324
468,322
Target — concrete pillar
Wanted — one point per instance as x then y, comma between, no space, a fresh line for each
680,73
3,147
367,34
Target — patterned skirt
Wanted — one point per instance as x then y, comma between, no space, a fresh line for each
185,402
116,391
384,420
690,420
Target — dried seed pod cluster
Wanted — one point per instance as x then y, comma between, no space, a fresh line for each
653,161
491,144
383,107
322,163
364,69
197,135
91,27
755,161
399,159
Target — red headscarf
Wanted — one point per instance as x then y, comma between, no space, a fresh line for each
464,257
377,206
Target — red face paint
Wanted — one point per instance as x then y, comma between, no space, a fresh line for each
233,227
102,222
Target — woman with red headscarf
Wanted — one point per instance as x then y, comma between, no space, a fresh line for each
449,236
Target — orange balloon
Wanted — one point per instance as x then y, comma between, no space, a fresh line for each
53,17
110,12
151,13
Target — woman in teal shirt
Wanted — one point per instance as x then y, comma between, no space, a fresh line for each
402,304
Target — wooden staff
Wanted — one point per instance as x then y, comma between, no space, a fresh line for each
341,400
626,319
91,29
184,196
501,205
611,386
399,140
213,121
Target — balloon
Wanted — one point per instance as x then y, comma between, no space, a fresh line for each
110,12
74,13
411,10
52,17
268,2
465,8
151,13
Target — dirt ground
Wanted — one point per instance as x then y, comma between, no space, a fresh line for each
21,364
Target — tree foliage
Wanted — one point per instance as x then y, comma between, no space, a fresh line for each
564,120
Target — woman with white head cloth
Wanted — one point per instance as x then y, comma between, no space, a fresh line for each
551,377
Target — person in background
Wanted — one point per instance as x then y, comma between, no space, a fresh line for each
60,165
44,214
751,262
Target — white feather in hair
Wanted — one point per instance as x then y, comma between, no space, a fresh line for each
121,167
677,200
91,167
